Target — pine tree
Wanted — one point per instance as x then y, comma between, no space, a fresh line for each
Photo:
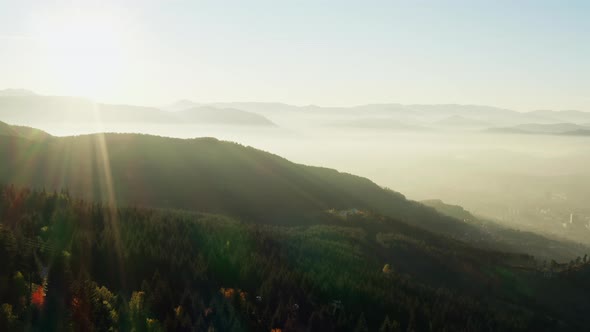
361,325
386,325
315,322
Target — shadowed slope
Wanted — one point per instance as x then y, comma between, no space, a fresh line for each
208,175
204,175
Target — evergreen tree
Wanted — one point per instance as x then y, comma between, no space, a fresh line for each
361,324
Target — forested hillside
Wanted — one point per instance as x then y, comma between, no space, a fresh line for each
145,233
542,246
73,265
208,175
203,175
328,166
22,131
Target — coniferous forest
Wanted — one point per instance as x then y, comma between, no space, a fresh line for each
294,166
74,265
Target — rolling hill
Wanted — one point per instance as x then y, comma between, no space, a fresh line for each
199,174
208,175
7,130
255,242
514,240
22,131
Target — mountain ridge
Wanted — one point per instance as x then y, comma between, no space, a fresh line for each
208,175
34,110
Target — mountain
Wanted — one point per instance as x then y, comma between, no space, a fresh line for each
181,105
16,93
128,230
208,175
387,124
450,115
263,108
22,131
230,116
547,129
578,132
100,267
557,128
564,116
35,110
199,174
513,240
26,108
7,130
462,122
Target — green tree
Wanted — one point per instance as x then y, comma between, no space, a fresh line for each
137,312
361,324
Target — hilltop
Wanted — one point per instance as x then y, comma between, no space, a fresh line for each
208,175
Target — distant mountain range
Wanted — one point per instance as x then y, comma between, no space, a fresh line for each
400,116
564,116
27,108
382,124
461,122
215,115
570,129
30,109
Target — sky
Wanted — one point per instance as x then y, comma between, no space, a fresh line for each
522,55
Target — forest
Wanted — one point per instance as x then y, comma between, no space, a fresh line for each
294,166
75,265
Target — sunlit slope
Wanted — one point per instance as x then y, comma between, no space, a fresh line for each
203,175
7,130
22,131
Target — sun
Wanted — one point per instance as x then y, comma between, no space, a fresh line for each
86,51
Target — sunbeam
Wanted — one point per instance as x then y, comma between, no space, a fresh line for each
106,184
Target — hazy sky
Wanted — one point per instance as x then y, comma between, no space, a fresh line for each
522,55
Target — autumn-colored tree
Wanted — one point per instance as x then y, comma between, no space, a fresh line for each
137,312
38,296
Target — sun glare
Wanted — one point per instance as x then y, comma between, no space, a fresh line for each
87,50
